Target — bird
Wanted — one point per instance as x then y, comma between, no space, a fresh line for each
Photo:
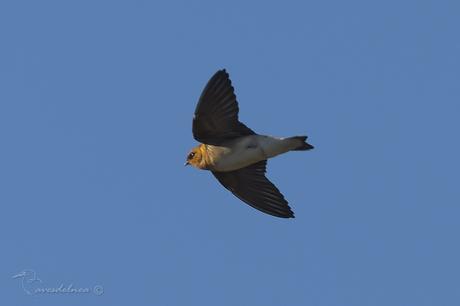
235,154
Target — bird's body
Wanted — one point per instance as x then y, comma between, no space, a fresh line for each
235,154
244,151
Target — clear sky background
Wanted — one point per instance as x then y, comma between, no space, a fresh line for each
96,103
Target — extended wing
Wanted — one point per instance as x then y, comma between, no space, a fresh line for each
216,114
251,186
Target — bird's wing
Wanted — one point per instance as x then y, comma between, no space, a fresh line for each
251,186
216,114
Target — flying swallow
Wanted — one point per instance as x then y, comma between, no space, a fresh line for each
235,154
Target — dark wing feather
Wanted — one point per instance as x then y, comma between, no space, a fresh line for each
216,114
251,186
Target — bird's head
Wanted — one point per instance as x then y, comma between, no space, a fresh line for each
195,158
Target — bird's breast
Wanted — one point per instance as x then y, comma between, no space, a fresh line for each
236,154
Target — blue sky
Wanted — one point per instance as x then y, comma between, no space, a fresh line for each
96,103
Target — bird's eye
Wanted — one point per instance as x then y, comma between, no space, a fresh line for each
190,156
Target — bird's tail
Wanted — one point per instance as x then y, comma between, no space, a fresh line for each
299,143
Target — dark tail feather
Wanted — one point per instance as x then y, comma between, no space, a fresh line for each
303,145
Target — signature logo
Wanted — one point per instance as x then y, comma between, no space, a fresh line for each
32,285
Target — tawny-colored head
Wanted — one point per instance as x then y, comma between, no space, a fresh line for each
195,158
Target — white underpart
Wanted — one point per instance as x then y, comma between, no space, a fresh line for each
248,150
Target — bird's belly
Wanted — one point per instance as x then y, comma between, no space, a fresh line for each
237,155
232,162
246,151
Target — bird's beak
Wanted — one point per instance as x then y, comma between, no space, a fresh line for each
186,163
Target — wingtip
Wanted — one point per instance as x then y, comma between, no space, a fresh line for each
278,214
285,214
289,216
289,212
221,73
